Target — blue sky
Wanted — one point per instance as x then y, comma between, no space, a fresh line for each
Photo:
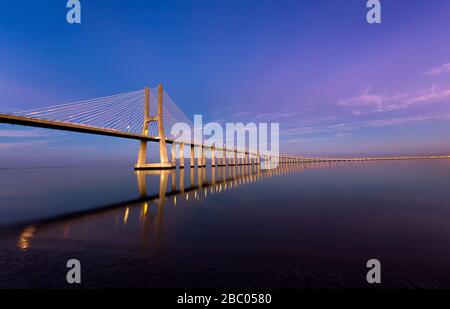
336,84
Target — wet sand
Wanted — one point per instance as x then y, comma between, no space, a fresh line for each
43,266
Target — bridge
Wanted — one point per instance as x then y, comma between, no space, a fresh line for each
131,116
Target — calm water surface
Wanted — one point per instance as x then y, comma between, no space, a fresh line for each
332,215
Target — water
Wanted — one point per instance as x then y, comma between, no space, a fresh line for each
325,218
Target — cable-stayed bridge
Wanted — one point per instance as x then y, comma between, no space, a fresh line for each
145,115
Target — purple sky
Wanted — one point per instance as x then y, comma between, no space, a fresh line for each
336,84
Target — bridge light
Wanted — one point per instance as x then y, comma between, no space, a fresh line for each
145,209
125,216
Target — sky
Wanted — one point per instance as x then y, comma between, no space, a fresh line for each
336,84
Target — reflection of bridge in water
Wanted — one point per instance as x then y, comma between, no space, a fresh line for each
175,187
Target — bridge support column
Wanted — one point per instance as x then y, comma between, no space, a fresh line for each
231,158
227,158
164,159
213,156
142,155
204,156
222,161
200,159
192,157
199,156
181,155
172,154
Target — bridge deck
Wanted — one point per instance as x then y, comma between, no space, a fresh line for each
72,127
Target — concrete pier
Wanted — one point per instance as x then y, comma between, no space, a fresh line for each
142,157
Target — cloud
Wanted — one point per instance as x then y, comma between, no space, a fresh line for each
445,68
429,95
396,121
240,114
247,117
405,120
348,128
22,133
375,103
270,116
23,145
304,130
364,99
297,140
343,134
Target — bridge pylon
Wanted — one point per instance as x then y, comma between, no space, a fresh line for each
164,163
